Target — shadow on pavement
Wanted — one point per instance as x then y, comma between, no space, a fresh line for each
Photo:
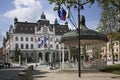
38,74
9,73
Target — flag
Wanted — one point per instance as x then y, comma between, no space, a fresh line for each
41,43
68,13
36,39
45,39
61,13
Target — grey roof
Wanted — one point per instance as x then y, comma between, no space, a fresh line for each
24,27
85,33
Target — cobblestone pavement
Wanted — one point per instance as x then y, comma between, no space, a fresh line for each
46,74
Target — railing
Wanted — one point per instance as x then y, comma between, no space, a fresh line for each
96,64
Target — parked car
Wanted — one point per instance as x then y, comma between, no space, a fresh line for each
1,64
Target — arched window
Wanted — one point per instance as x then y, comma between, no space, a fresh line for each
32,46
22,47
27,46
16,46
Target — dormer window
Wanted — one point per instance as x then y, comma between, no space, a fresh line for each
21,28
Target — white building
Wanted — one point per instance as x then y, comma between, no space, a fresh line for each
36,40
108,52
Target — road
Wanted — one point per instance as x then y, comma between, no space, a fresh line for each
8,73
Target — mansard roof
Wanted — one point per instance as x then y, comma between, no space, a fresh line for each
60,29
25,27
28,27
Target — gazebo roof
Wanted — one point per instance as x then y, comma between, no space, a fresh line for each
85,33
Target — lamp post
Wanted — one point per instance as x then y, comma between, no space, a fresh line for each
79,48
79,6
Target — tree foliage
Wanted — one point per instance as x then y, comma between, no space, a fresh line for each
108,21
74,52
69,3
110,18
16,55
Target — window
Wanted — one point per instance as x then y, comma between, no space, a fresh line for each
26,38
38,39
27,46
56,40
57,47
31,46
22,47
21,28
16,46
60,30
117,50
16,38
116,43
31,54
51,46
21,38
31,39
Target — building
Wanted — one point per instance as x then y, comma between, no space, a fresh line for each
39,41
106,50
103,51
1,53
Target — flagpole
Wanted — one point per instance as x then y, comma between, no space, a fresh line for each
79,46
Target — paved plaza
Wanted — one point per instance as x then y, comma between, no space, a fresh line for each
46,74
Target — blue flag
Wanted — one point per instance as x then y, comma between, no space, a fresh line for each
45,39
61,13
41,43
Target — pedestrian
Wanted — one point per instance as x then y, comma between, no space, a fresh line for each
9,65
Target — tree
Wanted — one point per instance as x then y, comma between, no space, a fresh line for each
73,52
112,4
68,3
16,54
84,55
110,20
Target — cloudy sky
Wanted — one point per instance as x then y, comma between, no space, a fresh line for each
30,10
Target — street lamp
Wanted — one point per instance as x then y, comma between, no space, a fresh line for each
79,48
79,6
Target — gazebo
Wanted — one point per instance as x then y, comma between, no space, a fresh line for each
87,37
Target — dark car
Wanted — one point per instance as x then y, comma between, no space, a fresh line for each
1,64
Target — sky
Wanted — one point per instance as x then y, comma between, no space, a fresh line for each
30,10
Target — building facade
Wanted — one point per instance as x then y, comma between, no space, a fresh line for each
107,52
39,40
1,53
103,51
